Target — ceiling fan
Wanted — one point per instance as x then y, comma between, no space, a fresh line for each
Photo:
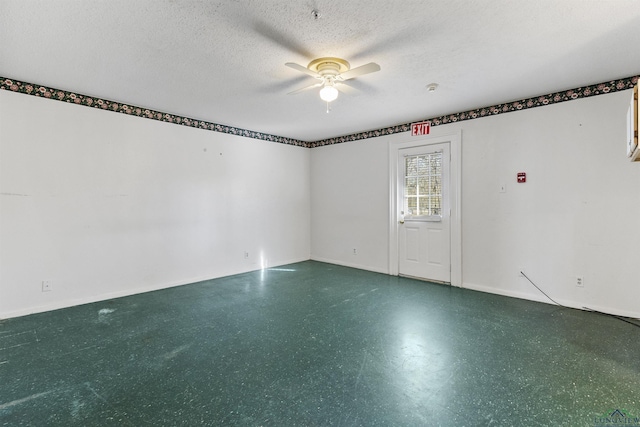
331,73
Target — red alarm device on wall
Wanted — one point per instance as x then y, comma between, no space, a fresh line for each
522,177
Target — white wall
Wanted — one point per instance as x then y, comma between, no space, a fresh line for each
350,204
574,217
104,204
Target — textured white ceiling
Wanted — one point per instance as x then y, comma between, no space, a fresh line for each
223,61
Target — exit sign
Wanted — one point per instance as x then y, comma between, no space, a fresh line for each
422,128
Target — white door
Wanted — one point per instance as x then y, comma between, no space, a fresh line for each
424,217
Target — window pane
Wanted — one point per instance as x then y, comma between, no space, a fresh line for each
423,184
411,186
411,168
436,185
424,206
412,206
436,205
436,165
423,165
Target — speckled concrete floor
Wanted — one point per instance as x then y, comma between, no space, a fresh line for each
314,344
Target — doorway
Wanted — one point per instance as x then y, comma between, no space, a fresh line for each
424,237
425,221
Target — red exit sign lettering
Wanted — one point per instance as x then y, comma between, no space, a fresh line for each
422,128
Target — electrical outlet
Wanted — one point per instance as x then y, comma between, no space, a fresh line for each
47,286
355,251
580,282
246,255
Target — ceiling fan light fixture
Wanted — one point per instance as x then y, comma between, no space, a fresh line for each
328,93
331,71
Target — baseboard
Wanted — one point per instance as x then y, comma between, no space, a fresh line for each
57,305
156,287
350,264
543,299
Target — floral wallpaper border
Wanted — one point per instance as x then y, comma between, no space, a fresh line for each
118,107
523,104
103,104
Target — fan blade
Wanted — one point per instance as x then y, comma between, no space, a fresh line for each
361,86
280,86
305,88
371,67
345,88
302,69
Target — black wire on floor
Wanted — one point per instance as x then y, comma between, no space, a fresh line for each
531,281
624,319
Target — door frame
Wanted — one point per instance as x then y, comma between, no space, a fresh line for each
455,193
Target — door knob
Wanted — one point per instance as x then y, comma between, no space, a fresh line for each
401,221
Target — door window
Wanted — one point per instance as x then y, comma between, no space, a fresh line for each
423,186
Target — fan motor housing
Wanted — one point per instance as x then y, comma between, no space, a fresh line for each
329,66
